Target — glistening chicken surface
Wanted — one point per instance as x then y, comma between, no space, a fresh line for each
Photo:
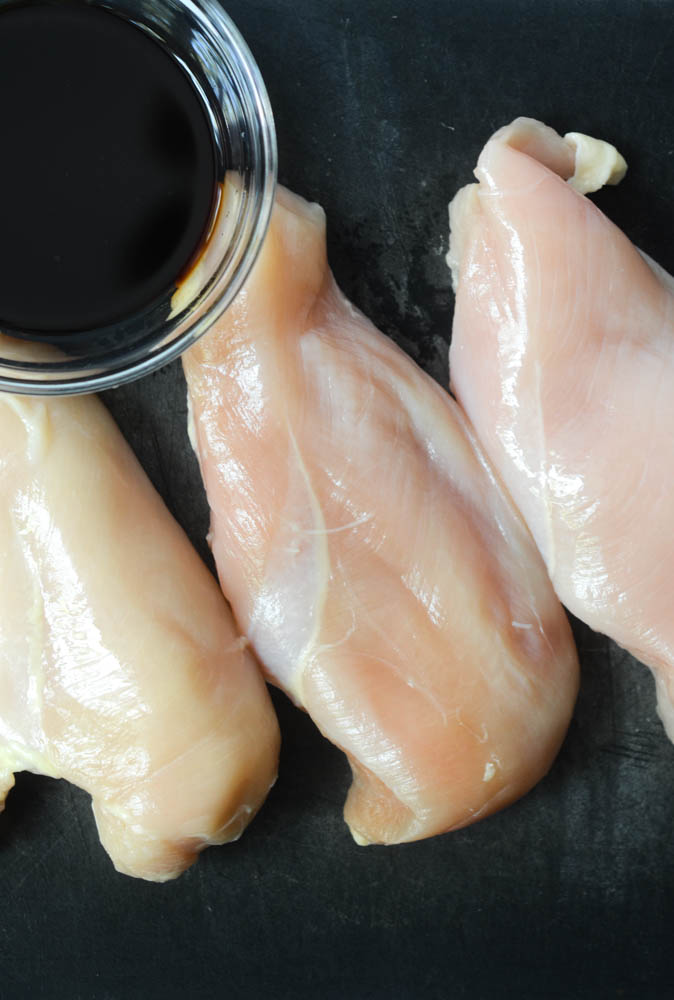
369,554
120,666
563,358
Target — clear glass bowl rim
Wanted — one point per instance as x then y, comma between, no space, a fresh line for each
79,379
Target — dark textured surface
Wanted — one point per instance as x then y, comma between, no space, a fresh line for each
381,109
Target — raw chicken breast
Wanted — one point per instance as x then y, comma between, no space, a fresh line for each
369,555
563,358
120,666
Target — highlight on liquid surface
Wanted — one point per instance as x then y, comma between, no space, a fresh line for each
107,171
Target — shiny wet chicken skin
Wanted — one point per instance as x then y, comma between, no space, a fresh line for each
563,358
369,555
120,666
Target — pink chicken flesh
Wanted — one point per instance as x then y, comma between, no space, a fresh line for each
120,665
563,358
370,557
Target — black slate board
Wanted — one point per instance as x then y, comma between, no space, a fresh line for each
381,108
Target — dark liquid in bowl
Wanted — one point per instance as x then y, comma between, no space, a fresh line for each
107,169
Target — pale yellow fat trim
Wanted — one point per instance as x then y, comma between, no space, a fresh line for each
596,163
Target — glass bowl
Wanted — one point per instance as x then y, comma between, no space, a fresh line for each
213,53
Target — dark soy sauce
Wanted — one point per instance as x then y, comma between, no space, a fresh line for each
107,169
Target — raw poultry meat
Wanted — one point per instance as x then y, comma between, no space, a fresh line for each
563,358
120,665
370,557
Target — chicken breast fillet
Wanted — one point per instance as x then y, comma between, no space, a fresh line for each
120,665
563,358
371,558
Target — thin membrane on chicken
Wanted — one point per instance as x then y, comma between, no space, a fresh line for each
120,665
369,554
563,358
